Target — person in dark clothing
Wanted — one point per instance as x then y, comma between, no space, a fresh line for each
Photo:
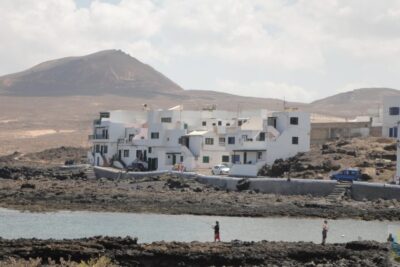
325,229
216,232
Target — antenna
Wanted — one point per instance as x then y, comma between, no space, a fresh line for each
284,103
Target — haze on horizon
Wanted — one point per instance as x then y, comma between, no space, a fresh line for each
301,50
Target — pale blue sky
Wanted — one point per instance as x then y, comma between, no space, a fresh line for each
298,49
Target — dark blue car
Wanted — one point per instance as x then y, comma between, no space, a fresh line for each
348,175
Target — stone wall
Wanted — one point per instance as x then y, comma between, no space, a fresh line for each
373,191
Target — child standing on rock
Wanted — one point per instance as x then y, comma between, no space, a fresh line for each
216,232
325,229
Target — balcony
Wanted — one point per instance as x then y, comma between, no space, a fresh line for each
97,137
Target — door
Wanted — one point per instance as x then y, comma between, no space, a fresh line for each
245,157
119,154
173,159
153,164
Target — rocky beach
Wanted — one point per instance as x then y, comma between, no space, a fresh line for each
128,252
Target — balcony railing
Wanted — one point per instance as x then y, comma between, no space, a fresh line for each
97,137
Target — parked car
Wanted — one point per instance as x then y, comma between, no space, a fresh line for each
136,167
220,169
347,175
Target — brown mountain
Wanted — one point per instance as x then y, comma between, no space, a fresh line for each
53,103
105,72
361,101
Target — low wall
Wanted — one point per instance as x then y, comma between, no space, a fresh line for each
373,191
320,188
274,185
104,172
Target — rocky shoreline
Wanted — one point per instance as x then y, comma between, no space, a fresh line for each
173,195
128,252
34,182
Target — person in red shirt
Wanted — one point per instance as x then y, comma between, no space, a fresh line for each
216,232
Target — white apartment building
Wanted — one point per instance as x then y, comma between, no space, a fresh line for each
244,140
391,116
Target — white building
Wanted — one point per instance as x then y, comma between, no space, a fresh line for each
245,140
391,116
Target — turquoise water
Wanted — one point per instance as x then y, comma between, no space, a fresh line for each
157,227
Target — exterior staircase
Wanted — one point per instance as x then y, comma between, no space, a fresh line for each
339,191
90,173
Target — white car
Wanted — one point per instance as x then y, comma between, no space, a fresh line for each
220,169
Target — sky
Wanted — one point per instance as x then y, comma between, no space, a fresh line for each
300,50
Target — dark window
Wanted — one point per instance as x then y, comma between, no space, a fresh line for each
97,148
155,135
204,123
294,120
219,123
167,120
240,123
295,140
394,111
393,132
235,158
149,149
138,154
225,158
131,136
228,124
126,153
206,159
259,155
231,140
213,124
105,149
262,136
181,158
209,141
221,140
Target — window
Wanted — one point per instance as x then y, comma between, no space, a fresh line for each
105,149
259,155
166,120
294,120
206,159
221,140
131,136
97,148
181,158
138,154
219,123
295,140
228,124
155,135
393,132
204,123
394,111
261,136
240,123
214,124
126,153
209,141
231,140
235,159
225,158
150,149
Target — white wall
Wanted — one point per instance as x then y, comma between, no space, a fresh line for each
389,121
